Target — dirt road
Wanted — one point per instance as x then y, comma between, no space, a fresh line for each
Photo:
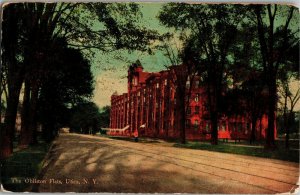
83,163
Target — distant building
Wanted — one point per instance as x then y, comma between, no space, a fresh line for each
149,107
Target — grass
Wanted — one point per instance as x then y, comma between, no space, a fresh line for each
23,164
131,139
241,148
245,149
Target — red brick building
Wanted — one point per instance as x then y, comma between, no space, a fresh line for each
149,107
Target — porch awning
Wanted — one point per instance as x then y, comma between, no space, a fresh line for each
143,126
112,129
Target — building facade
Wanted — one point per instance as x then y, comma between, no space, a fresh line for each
149,107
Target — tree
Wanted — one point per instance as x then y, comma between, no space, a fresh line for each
246,95
85,118
105,116
256,100
3,89
289,73
182,77
68,83
27,26
14,77
211,31
290,100
274,44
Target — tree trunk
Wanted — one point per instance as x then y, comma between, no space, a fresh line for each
270,141
33,112
48,124
28,135
285,119
181,113
288,126
214,128
287,137
213,98
253,129
7,134
1,91
24,138
260,128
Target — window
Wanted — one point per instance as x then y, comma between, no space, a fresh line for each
189,110
197,108
166,82
207,128
239,127
197,97
232,126
222,126
157,85
196,84
188,84
188,123
248,126
135,81
196,124
205,107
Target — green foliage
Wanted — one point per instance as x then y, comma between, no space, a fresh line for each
208,30
209,33
105,116
108,27
68,81
23,164
47,44
85,118
258,151
3,106
233,47
294,123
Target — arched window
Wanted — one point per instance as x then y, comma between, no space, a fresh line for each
197,97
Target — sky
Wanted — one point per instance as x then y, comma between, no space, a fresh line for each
110,73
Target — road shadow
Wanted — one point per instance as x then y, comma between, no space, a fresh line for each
82,164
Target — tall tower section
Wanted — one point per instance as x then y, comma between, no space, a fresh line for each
134,73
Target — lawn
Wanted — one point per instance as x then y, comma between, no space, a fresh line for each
245,149
23,164
131,139
242,148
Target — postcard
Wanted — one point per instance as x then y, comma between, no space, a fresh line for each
149,97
